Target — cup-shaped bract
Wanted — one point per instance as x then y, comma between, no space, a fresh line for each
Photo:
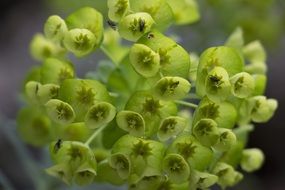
132,122
172,88
135,25
121,163
262,109
252,159
144,60
32,90
90,19
105,173
34,126
74,153
47,92
226,139
55,28
176,168
42,48
198,156
255,52
159,10
85,174
81,94
242,85
202,180
170,127
76,132
79,41
224,113
221,56
56,71
206,131
61,171
227,175
151,108
99,115
217,84
117,9
185,11
174,60
59,111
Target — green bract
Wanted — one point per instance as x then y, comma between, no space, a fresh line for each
133,26
144,60
59,111
242,85
117,9
131,122
127,123
217,84
90,19
225,57
79,41
172,88
100,114
55,28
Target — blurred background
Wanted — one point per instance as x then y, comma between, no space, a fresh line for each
21,165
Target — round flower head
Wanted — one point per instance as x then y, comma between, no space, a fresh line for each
117,9
226,140
252,159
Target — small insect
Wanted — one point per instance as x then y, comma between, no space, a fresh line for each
57,146
141,25
150,35
112,24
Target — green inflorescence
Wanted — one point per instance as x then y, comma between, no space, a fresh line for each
134,121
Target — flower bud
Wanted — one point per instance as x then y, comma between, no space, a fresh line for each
32,90
227,175
61,171
76,132
262,109
252,159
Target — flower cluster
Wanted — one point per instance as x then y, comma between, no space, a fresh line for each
130,122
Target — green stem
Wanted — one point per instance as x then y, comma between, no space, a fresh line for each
191,105
107,53
114,94
94,135
192,96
